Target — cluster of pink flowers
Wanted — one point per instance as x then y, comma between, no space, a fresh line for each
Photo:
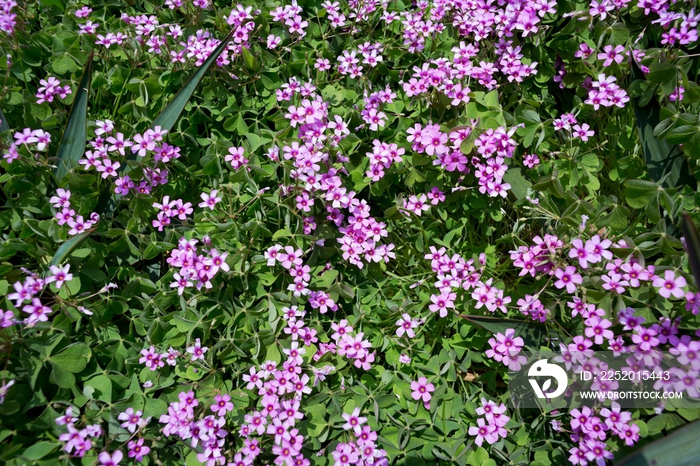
296,327
505,348
371,114
453,273
335,17
291,259
207,431
354,347
67,215
362,449
416,30
591,432
7,17
76,441
154,360
605,92
149,33
108,143
194,266
168,209
532,307
49,88
491,427
684,30
539,257
362,234
493,147
36,139
29,291
289,15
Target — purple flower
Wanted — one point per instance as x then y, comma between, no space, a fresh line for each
406,324
137,450
567,278
354,421
597,329
670,285
222,404
110,460
197,351
422,389
209,200
132,420
483,432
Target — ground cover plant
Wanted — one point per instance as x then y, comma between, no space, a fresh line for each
309,232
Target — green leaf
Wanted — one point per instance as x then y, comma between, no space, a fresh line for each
39,450
172,111
73,358
660,73
666,163
101,388
64,64
72,145
681,448
477,457
250,62
639,193
518,183
692,245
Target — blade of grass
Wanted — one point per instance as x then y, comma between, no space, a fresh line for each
172,111
692,245
72,145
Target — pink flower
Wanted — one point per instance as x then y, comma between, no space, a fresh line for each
110,460
483,432
354,421
421,389
197,351
222,404
670,285
597,329
406,325
132,420
581,252
567,278
209,200
583,131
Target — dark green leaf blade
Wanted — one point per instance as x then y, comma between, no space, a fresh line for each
666,163
692,245
72,145
172,111
681,448
3,123
65,249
